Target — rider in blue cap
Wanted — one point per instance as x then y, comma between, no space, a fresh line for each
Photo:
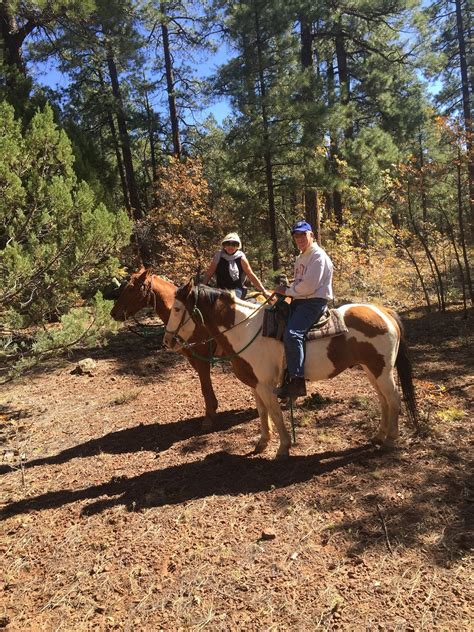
310,292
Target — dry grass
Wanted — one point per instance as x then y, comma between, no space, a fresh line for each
131,518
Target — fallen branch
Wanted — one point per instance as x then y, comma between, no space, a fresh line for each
385,530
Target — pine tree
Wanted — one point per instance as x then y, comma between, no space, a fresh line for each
57,243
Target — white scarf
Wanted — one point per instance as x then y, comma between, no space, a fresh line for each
232,259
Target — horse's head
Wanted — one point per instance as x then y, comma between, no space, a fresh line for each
134,295
181,325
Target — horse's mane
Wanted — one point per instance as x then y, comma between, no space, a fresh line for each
211,295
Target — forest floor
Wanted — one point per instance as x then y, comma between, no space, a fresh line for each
127,516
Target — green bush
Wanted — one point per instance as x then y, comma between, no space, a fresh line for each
56,241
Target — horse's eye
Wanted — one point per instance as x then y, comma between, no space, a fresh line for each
177,310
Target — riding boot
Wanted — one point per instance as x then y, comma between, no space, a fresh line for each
295,387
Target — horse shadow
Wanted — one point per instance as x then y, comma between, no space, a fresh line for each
151,437
218,474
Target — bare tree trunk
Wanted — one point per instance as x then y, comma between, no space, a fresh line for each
170,84
431,260
420,276
121,170
151,134
334,198
461,227
344,79
12,63
458,260
116,145
267,153
424,203
310,193
466,104
124,137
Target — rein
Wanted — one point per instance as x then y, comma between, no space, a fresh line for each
212,359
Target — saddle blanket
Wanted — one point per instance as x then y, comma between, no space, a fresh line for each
334,326
330,324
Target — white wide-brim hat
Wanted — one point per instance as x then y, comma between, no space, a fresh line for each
232,237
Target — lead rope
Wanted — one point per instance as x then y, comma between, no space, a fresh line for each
293,427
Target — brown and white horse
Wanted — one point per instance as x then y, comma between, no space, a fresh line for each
145,289
374,340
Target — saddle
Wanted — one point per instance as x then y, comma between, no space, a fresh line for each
275,318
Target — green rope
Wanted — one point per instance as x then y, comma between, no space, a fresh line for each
213,360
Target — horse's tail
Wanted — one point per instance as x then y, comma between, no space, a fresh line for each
405,374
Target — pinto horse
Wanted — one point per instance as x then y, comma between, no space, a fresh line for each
374,340
145,289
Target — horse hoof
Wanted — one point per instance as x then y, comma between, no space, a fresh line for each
377,440
282,457
260,447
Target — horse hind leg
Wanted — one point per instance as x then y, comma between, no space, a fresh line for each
265,425
379,437
393,398
389,399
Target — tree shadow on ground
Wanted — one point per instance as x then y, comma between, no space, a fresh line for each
7,429
439,337
438,518
435,518
152,437
219,474
128,350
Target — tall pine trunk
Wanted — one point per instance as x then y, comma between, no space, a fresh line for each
267,156
335,195
307,94
116,146
466,104
344,79
424,201
11,61
170,85
124,137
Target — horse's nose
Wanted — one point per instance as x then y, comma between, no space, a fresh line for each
117,314
168,341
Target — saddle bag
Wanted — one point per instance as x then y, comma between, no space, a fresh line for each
274,320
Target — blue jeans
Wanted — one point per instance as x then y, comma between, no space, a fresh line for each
303,314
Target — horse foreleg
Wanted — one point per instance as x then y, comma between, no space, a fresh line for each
270,401
265,425
203,369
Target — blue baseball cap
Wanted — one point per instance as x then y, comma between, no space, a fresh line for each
301,227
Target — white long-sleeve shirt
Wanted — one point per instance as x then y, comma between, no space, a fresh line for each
313,275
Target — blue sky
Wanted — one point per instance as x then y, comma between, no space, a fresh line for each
49,75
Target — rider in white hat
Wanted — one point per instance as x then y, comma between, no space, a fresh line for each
231,267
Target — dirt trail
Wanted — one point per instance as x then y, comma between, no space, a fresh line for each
127,516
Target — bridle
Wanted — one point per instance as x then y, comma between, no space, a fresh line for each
191,316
